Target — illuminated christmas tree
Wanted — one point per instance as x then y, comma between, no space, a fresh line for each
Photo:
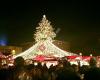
44,31
44,36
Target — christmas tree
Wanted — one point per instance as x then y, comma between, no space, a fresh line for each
44,31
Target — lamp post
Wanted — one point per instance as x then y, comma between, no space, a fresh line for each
80,59
91,55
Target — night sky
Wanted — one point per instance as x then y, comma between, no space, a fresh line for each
78,21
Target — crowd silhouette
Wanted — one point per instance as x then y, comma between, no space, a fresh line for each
63,71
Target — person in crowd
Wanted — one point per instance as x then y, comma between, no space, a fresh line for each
92,74
20,71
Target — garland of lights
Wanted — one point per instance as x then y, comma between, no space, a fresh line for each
48,49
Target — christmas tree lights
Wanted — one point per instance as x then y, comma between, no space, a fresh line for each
44,31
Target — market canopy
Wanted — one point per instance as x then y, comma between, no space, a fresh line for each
45,48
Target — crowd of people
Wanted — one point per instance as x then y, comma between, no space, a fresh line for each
63,71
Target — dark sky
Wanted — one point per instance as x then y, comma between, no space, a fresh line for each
79,21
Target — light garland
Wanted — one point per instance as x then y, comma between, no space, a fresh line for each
50,49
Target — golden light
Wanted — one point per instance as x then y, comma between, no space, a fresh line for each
80,54
91,55
13,52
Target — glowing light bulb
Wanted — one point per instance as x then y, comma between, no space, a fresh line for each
13,52
44,16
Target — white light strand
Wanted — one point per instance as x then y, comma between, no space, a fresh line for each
50,48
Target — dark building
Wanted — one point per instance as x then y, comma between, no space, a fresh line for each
6,50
